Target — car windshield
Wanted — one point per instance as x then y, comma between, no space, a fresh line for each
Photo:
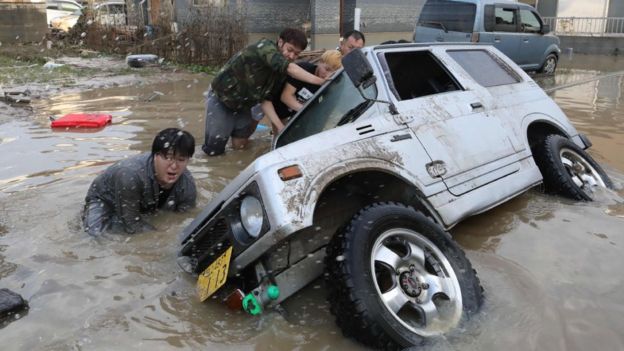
338,103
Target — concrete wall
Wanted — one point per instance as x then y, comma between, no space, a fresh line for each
592,45
547,8
616,8
22,21
389,16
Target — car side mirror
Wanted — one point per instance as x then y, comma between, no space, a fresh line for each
545,29
358,69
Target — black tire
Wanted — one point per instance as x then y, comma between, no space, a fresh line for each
550,64
568,170
355,281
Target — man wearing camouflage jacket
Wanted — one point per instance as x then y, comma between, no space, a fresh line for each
251,76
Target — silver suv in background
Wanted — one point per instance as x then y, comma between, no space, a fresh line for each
514,28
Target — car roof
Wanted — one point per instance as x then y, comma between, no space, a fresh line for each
492,2
423,45
57,1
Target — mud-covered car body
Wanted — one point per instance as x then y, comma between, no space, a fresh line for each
447,130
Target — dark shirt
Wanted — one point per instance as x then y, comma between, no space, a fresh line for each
303,91
251,75
129,188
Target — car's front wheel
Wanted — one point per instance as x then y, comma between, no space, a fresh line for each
568,170
395,278
550,64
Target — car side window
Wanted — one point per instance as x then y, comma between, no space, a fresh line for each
417,73
484,68
505,19
529,22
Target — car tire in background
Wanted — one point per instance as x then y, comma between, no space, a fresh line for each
396,278
568,170
550,64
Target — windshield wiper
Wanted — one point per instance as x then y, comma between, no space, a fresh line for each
439,24
354,113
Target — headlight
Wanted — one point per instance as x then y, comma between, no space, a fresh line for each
251,215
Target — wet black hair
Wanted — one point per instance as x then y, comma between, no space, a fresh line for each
174,140
356,34
295,37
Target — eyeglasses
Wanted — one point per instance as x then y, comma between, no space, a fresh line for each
178,160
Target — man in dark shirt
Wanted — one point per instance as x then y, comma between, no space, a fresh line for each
247,79
352,39
142,184
295,93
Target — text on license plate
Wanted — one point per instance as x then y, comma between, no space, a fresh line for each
214,276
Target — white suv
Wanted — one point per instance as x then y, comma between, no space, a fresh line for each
361,186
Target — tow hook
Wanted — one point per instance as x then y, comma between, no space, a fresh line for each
255,301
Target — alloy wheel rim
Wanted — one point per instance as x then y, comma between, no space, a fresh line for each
415,282
582,173
550,65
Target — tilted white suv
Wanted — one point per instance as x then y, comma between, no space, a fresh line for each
361,186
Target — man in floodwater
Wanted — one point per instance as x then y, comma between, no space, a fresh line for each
247,79
142,184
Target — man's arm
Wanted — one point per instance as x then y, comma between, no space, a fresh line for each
295,71
269,110
289,99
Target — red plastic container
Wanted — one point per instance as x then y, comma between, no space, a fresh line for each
82,120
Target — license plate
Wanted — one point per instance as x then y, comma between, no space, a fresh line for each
214,276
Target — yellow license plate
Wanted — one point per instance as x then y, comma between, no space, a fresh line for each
213,277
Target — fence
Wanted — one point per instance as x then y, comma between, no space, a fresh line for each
587,26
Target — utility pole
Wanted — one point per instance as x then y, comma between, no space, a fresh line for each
341,20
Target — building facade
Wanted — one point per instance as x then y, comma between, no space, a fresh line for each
22,21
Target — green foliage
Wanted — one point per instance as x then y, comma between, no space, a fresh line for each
201,69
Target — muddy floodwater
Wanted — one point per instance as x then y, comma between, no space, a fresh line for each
551,267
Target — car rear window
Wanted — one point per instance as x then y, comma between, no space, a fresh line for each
448,15
484,68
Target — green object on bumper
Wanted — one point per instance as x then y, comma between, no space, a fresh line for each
251,305
273,292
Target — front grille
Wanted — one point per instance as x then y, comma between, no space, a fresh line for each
211,243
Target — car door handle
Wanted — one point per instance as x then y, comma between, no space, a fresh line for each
497,39
526,40
476,105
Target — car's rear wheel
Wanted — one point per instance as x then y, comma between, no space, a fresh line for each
395,278
568,170
550,64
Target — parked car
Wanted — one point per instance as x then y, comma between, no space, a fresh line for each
60,8
363,184
514,28
65,23
109,13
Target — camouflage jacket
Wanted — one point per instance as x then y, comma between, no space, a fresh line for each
251,75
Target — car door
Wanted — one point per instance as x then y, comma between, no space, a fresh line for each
468,148
502,29
533,44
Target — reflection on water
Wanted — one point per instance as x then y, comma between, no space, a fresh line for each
550,267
